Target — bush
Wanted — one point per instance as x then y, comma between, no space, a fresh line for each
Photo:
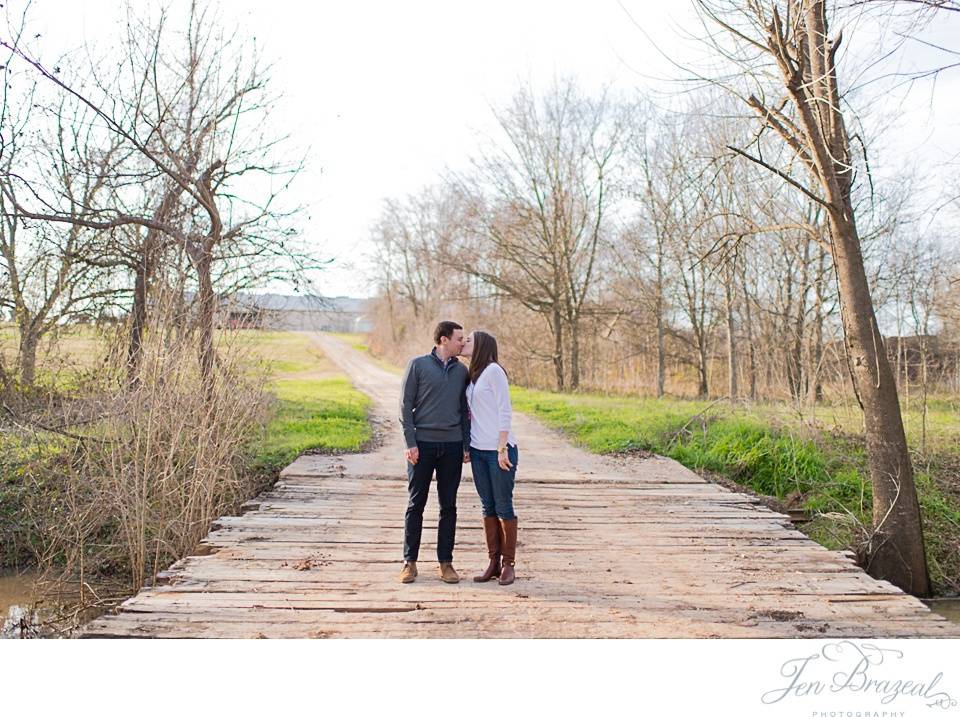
143,483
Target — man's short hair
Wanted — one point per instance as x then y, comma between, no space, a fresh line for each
445,328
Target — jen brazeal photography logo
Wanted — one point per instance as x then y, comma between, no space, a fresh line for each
874,675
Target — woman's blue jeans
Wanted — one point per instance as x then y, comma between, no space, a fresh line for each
494,485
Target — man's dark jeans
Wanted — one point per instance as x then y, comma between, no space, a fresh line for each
447,460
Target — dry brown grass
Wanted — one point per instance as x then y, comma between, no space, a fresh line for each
139,480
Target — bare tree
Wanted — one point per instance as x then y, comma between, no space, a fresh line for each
537,206
46,280
192,117
809,118
657,152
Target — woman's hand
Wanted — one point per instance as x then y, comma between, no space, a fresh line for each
503,460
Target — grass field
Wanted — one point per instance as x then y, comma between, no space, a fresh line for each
316,409
357,341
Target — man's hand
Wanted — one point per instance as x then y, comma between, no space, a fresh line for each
466,456
503,461
413,455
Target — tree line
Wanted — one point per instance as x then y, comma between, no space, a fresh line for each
662,264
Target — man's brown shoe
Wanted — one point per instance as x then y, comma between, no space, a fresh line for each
409,571
447,573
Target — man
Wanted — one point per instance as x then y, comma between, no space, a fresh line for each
436,430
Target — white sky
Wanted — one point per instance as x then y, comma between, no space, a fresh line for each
387,94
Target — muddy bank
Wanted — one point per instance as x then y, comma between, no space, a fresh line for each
17,605
31,606
16,589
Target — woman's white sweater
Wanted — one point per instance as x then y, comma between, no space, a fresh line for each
490,410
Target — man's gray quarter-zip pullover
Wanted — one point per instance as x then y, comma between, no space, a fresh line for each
433,401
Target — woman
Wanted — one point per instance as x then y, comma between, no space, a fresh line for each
493,453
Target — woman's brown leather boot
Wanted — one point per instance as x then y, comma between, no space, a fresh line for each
508,550
491,529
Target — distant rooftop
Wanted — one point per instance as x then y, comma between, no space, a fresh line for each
302,302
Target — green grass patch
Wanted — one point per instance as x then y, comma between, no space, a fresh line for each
327,415
316,407
13,462
941,527
702,437
19,457
607,424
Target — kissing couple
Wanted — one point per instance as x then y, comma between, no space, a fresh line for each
454,414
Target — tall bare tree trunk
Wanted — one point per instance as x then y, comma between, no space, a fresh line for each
574,354
703,390
801,380
557,325
751,341
27,356
897,551
700,333
923,388
207,297
138,316
207,309
905,350
150,248
806,58
731,337
393,316
899,349
815,371
661,349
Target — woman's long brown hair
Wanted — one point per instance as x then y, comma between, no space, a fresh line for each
484,354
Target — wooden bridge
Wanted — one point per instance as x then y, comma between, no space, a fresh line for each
606,549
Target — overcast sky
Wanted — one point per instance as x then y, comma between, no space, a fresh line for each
387,94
